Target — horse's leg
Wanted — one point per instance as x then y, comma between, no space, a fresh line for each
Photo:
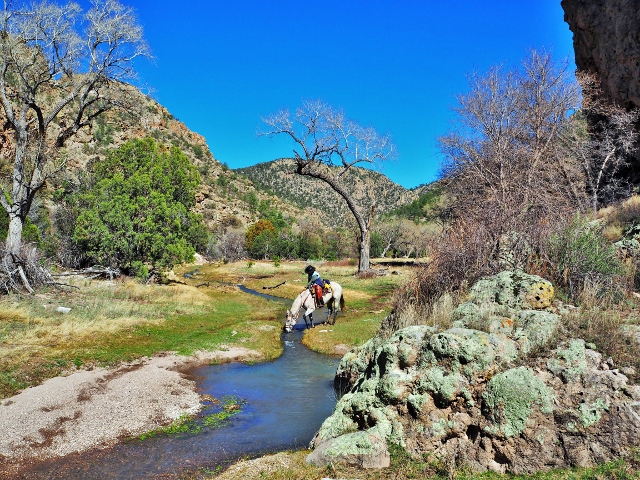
334,311
310,311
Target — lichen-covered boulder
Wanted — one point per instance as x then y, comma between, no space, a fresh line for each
476,396
514,304
513,289
418,373
359,449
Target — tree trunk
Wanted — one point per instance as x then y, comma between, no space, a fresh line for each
14,235
365,240
303,168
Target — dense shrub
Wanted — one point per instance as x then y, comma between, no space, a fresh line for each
136,210
229,247
257,229
580,255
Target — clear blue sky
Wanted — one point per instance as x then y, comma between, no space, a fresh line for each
396,65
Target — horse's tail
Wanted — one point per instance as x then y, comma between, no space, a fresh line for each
342,303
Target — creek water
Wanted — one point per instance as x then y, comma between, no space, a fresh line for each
284,402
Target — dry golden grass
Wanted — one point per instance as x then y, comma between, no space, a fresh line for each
32,325
618,217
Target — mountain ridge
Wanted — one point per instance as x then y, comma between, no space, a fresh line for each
367,186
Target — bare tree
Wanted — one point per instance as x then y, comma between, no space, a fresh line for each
390,233
601,138
501,165
327,146
230,246
59,70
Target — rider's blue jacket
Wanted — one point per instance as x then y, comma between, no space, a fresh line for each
315,278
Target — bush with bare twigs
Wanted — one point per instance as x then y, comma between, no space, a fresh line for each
27,271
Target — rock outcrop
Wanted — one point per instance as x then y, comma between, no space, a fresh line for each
606,40
474,394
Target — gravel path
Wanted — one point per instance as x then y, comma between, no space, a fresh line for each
93,409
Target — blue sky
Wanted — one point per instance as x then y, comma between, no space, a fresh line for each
219,66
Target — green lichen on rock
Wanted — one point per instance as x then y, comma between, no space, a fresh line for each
591,413
571,362
340,422
354,364
509,399
465,314
440,427
417,402
357,443
513,289
362,449
441,384
472,348
392,387
535,328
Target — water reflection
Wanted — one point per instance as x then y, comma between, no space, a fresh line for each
286,402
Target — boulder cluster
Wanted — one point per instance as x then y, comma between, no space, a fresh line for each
490,392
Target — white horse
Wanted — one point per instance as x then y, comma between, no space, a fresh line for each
305,302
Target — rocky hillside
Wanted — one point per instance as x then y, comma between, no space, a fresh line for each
224,199
368,186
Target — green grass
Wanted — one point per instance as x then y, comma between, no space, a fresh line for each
368,301
214,416
125,324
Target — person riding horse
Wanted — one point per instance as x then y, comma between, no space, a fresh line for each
314,280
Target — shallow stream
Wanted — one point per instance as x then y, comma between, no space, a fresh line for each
284,404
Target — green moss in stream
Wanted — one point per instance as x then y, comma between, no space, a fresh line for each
212,417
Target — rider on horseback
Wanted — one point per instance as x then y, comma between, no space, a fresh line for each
315,284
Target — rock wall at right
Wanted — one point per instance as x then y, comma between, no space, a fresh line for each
606,40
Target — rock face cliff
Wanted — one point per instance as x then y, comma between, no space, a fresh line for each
606,40
479,394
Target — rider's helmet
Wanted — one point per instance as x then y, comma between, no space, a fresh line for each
309,270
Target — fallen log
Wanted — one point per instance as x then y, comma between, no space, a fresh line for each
93,272
264,287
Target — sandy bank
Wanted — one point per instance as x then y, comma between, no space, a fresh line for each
95,408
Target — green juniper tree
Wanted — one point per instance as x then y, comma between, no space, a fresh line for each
137,210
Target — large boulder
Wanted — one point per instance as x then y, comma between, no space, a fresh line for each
476,395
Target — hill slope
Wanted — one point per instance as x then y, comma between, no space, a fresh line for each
368,186
224,198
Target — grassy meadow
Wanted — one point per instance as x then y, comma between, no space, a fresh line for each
112,322
121,321
367,300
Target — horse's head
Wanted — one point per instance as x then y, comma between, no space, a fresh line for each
290,321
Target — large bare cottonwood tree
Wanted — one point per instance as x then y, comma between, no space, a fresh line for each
502,168
60,68
327,145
